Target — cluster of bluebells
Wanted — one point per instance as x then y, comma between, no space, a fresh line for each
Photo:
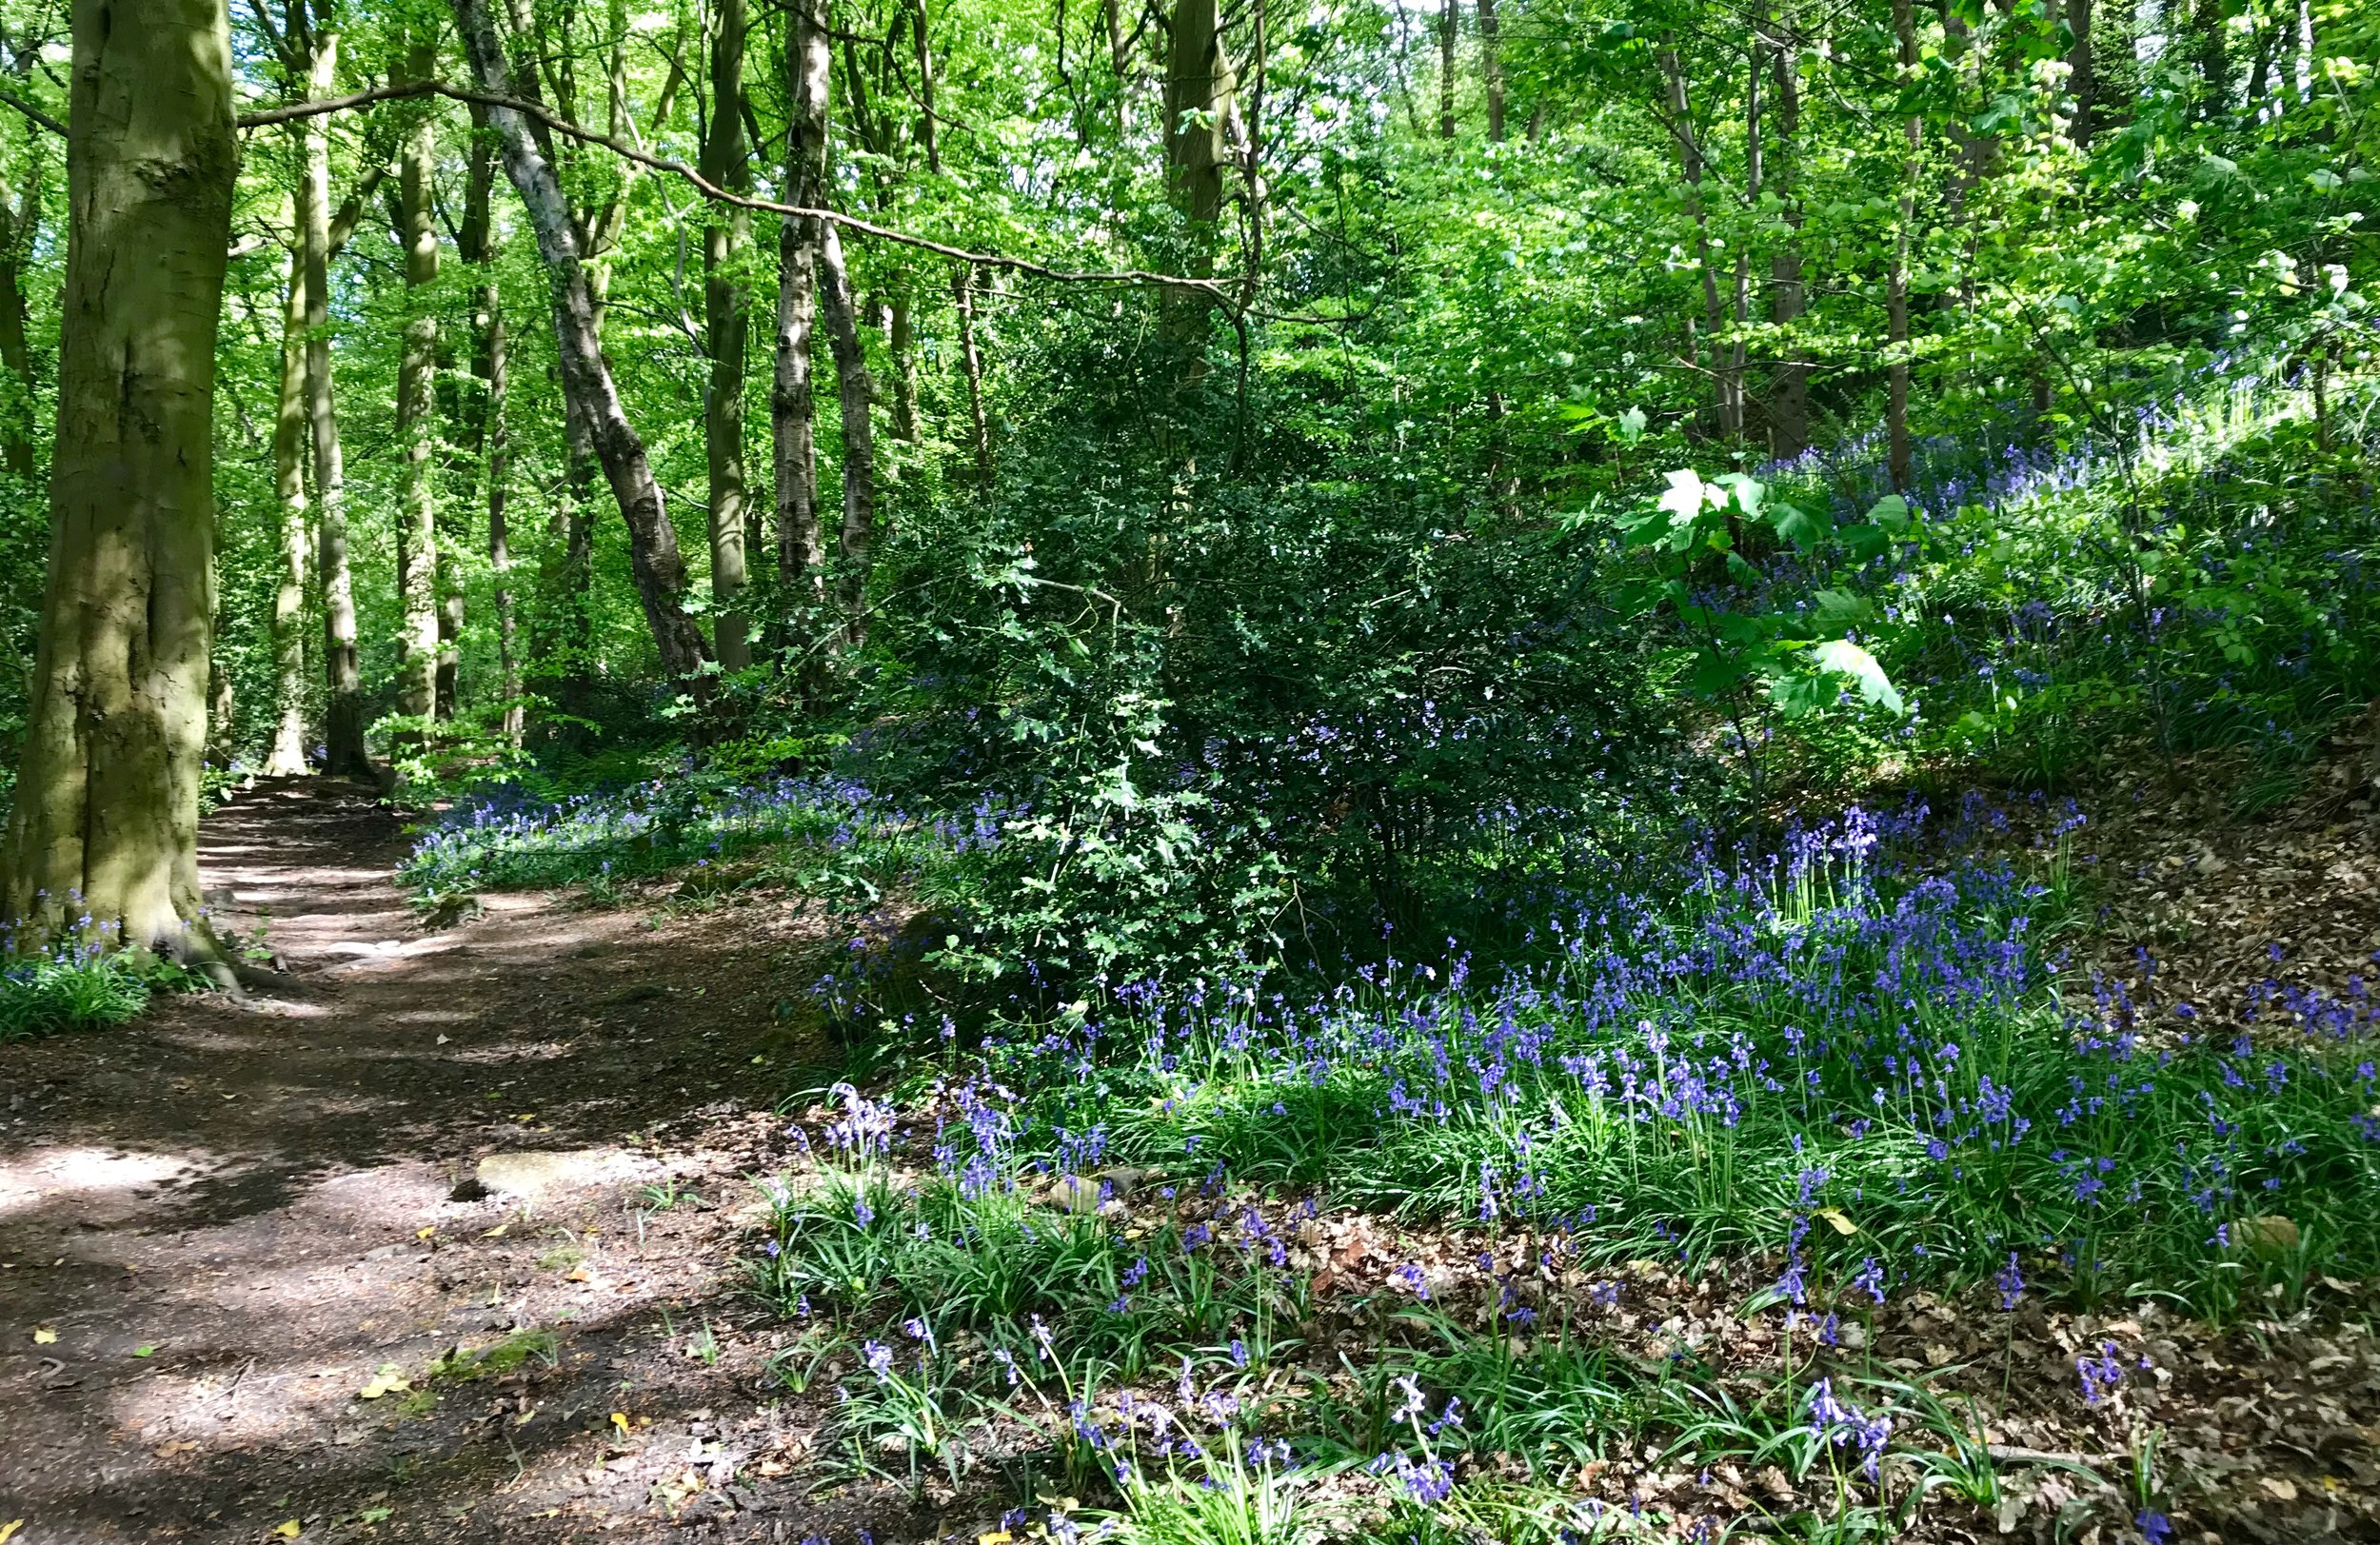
508,834
1871,979
1846,1426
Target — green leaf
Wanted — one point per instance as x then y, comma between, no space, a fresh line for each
1844,657
1890,512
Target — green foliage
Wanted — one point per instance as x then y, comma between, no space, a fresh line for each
80,981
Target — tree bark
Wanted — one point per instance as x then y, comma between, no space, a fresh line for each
857,393
287,756
1896,456
416,420
19,226
801,547
105,822
343,713
971,365
2083,80
1198,80
1446,69
660,577
1492,72
1788,396
726,161
475,245
1726,389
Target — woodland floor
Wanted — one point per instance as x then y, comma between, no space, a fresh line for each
223,1229
233,1214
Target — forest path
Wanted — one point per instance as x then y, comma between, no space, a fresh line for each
220,1224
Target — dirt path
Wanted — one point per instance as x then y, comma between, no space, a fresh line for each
218,1226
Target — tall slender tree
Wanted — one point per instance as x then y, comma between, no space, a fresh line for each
587,378
727,162
801,547
416,418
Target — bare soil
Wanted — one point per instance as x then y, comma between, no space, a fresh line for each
220,1225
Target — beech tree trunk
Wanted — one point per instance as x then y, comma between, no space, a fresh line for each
726,161
2083,77
857,394
801,547
971,365
1788,396
417,515
1492,71
343,712
1897,455
20,224
288,756
1198,80
105,822
1446,69
1727,386
475,245
660,577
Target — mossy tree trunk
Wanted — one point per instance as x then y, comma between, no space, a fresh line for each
106,817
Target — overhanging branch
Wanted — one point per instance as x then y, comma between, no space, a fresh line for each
1220,293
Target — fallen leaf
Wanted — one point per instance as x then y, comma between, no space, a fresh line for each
44,1335
496,1233
290,1530
375,1515
426,1232
166,1451
2280,1489
390,1379
620,1419
10,1528
143,1351
580,1274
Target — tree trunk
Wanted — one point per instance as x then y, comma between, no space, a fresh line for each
1738,350
1198,80
2214,72
1446,69
859,436
288,756
1789,397
661,578
105,822
18,228
475,245
1896,462
971,365
1492,72
2083,80
416,419
900,345
343,714
1119,61
1726,390
726,161
800,545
